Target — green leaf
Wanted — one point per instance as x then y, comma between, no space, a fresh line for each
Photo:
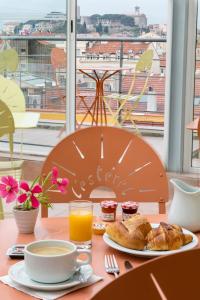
35,181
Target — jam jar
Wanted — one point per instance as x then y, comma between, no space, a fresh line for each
129,208
108,210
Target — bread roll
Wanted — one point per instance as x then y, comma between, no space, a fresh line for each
130,233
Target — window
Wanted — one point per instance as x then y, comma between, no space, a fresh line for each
41,73
195,151
110,24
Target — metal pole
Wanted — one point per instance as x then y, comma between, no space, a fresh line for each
71,67
176,85
120,79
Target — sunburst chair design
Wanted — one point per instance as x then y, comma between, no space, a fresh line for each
143,66
108,157
163,278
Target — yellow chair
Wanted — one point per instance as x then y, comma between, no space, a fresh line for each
12,95
6,123
124,112
6,127
9,58
12,168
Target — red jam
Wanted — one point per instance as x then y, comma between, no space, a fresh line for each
129,208
108,210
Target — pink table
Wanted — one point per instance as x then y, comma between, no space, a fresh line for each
57,228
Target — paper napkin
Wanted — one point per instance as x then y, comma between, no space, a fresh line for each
45,295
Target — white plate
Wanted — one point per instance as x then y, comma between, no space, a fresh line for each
17,274
150,253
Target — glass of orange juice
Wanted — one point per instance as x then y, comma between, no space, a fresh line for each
80,223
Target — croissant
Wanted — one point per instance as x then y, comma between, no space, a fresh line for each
167,237
130,233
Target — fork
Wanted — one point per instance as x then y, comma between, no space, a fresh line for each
111,265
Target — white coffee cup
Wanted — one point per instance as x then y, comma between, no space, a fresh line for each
53,268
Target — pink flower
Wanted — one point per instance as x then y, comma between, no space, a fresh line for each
8,188
32,194
61,183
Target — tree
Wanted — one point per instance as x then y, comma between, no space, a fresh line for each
127,21
18,28
105,29
99,28
84,27
95,17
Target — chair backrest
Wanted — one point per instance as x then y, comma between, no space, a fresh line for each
12,95
7,125
125,105
170,277
9,58
108,157
58,58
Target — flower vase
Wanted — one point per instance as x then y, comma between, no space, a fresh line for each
25,219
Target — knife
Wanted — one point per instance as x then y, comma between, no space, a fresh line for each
128,265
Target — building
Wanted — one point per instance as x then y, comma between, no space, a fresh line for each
26,29
9,27
140,19
159,29
55,15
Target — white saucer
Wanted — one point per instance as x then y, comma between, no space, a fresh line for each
18,275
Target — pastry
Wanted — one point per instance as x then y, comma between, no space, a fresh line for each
98,228
167,237
130,233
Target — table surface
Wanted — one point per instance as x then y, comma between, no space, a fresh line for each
57,228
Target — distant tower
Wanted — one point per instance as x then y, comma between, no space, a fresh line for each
140,19
137,10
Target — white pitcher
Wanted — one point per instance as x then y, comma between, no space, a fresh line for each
185,207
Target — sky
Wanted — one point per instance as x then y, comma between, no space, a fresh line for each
155,10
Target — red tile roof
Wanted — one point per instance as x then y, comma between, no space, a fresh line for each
163,61
113,47
157,82
58,58
43,33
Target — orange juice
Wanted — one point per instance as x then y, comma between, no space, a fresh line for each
80,225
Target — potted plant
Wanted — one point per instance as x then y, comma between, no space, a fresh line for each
28,197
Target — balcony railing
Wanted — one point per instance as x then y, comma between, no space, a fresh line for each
36,72
45,89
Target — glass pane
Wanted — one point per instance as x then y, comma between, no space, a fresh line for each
112,88
193,126
32,83
33,55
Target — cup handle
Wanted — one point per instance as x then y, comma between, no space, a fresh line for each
84,262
